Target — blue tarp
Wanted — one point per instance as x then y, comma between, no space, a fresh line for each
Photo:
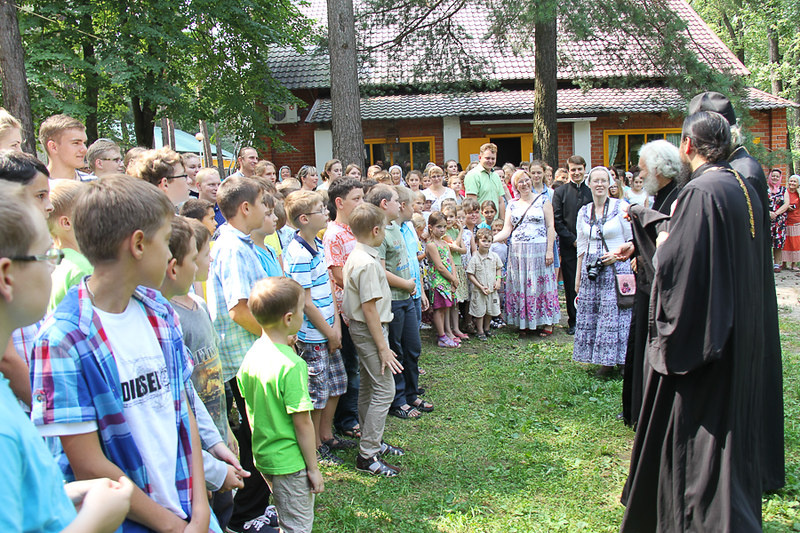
185,142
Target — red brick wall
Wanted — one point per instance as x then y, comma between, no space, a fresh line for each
769,126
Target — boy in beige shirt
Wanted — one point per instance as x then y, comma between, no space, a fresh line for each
367,302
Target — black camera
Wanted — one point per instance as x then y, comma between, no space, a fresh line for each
593,269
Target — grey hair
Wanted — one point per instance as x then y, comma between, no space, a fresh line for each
662,158
737,138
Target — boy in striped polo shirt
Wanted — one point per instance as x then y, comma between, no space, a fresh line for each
320,336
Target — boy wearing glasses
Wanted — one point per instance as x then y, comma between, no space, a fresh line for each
320,336
164,169
235,269
104,158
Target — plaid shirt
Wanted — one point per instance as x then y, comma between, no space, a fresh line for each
75,379
235,269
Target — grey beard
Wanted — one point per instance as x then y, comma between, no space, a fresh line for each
651,185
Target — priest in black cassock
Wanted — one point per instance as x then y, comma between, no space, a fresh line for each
695,461
773,468
659,166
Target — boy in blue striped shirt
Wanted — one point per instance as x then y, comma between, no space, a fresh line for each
320,337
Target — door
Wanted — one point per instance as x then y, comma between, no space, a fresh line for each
469,150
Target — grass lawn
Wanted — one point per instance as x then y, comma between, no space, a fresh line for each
522,439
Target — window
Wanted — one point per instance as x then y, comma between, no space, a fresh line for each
621,147
409,152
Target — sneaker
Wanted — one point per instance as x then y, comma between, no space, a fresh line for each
271,512
376,466
260,524
425,325
326,457
388,449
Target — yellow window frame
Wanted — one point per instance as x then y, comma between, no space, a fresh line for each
626,133
403,140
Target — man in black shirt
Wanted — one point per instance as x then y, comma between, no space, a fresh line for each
567,201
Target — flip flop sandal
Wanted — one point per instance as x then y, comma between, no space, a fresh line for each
405,414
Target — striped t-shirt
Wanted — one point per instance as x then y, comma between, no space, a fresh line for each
307,267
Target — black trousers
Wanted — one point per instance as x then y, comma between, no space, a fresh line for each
569,267
250,501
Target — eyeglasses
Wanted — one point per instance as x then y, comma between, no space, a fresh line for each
323,211
53,255
184,176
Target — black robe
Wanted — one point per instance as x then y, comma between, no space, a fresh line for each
773,469
645,224
694,463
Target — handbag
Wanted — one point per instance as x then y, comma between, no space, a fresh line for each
625,283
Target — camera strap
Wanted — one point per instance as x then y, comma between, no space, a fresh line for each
593,220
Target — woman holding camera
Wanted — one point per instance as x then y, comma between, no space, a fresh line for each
601,332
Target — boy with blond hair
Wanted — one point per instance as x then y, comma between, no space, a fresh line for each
109,369
274,382
320,337
74,266
367,302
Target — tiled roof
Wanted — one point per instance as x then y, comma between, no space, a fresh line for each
571,103
609,57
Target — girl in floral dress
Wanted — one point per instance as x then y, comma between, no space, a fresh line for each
443,279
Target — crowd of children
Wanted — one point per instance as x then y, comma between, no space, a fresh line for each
240,343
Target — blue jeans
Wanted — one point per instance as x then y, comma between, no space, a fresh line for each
405,342
346,416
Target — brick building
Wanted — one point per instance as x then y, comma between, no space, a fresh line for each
604,125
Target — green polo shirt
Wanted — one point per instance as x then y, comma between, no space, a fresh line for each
393,251
484,184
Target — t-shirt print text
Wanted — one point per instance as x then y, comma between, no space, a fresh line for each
149,384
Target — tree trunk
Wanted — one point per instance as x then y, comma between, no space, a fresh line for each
220,159
16,98
545,123
734,33
348,138
206,144
143,121
774,60
91,80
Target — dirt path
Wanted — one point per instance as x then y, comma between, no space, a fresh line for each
787,288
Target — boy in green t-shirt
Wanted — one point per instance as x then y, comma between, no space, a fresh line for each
75,266
273,381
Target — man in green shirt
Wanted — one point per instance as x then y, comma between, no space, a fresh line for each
483,183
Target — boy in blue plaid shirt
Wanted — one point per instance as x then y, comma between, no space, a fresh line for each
320,336
110,373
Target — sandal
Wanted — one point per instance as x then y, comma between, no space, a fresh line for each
456,340
462,336
376,466
422,406
546,332
481,337
354,432
388,449
405,414
339,444
446,342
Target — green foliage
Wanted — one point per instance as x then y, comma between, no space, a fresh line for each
745,24
183,59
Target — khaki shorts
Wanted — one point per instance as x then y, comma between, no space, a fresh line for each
293,500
